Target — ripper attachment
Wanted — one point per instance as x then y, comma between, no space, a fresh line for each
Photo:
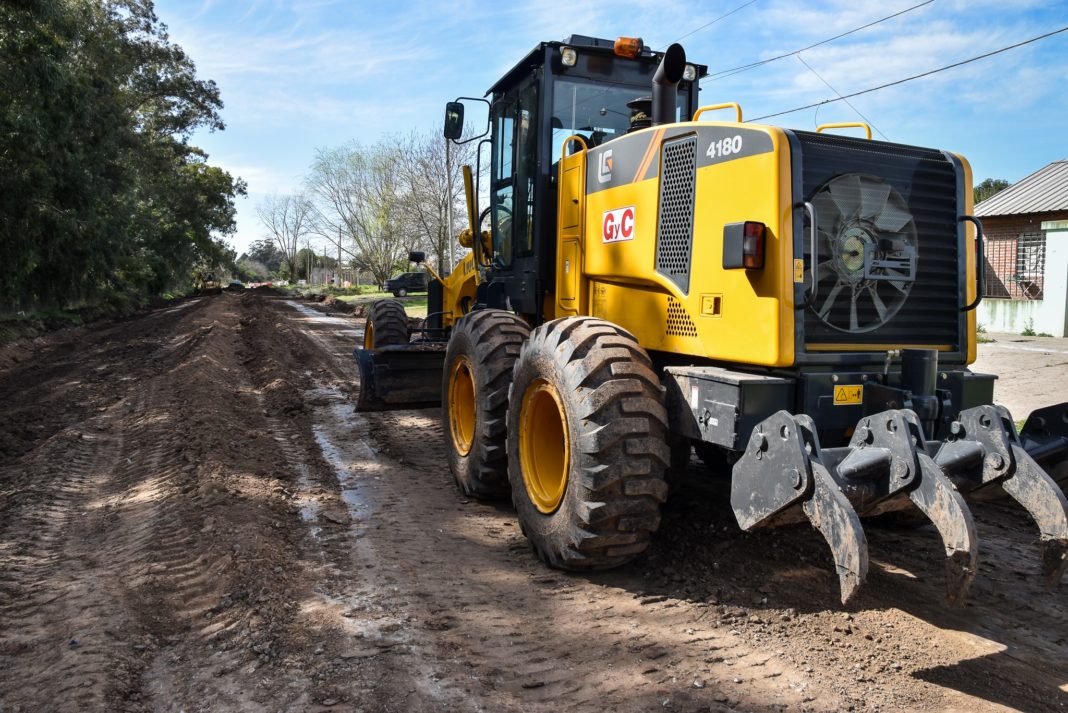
784,476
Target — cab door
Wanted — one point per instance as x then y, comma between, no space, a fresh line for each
513,178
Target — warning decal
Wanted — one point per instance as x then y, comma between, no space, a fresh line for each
848,395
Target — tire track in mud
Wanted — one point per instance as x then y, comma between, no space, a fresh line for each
556,641
54,606
139,539
62,610
468,590
708,605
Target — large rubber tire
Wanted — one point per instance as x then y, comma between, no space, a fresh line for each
586,404
482,350
387,324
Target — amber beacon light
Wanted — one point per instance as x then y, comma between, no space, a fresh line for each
628,46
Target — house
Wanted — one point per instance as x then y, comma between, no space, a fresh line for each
1026,229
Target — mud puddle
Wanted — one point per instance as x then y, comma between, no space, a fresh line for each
341,435
314,317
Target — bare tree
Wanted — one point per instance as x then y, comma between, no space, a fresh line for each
287,219
430,188
359,205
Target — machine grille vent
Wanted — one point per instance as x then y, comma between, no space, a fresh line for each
674,228
906,197
679,323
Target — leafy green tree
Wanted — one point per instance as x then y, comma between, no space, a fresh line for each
989,188
101,196
266,253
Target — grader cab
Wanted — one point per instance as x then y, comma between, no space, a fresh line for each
645,280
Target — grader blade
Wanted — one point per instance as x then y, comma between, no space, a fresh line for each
1006,463
402,376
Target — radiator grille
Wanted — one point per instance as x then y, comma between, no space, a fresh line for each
674,229
927,181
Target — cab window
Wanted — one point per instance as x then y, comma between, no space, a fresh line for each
504,119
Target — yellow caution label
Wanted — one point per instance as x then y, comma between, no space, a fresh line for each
799,270
848,395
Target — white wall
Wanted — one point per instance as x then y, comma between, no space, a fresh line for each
1048,315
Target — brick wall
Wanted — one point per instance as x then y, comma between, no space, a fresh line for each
1015,255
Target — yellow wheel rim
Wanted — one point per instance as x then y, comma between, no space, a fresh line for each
543,446
462,405
369,335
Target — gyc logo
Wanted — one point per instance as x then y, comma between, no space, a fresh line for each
618,225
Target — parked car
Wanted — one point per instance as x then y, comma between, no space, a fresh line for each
406,282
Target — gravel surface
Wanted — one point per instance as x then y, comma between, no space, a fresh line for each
1032,371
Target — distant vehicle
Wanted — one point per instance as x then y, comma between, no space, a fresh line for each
406,282
206,284
235,286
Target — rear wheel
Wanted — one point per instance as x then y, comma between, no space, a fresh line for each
587,444
387,324
482,349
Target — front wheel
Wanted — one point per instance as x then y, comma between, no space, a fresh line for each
387,324
482,349
587,444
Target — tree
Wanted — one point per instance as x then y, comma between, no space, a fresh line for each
287,219
250,270
267,254
430,189
989,188
359,205
101,195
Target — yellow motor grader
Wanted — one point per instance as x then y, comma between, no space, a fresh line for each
799,305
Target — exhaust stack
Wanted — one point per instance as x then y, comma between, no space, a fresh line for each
666,83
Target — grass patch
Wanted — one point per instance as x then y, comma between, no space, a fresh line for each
414,305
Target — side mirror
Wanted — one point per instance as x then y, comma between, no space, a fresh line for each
454,120
416,256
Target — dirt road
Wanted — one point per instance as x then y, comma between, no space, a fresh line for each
193,518
1032,371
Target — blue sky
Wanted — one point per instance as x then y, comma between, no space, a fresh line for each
300,74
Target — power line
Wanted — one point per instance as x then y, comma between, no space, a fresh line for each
721,17
723,74
870,122
915,76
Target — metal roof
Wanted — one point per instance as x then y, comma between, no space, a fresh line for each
1044,191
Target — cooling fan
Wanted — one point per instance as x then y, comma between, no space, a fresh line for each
866,253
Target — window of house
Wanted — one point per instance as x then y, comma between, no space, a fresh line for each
1030,265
